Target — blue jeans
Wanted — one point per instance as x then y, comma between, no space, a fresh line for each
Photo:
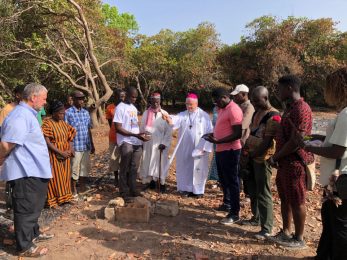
228,171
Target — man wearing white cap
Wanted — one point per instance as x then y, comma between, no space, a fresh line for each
240,94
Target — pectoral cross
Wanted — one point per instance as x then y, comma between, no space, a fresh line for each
190,126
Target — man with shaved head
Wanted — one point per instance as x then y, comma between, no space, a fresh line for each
260,146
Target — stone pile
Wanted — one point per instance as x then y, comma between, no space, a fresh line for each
139,210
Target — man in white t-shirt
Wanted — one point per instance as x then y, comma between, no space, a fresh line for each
129,141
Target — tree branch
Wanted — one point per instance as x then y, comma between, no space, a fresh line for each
90,48
61,71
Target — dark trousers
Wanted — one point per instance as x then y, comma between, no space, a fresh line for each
28,198
129,166
228,167
259,187
333,241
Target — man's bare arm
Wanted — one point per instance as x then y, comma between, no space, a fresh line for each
5,150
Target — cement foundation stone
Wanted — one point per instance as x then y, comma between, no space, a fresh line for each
133,213
109,213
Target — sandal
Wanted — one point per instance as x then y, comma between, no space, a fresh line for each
75,198
43,237
34,251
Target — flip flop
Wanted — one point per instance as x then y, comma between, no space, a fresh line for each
75,198
34,251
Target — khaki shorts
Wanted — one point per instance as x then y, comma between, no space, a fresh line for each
80,165
113,150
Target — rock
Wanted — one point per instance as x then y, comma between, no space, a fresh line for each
109,213
166,208
133,213
140,201
117,202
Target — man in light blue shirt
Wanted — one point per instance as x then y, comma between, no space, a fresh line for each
25,165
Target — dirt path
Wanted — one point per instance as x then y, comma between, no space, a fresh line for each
195,233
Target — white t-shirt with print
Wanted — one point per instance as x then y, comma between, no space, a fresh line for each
336,134
126,114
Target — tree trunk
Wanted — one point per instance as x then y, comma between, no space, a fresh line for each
94,117
143,100
101,116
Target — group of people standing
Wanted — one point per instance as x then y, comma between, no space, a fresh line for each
249,137
141,149
252,137
36,160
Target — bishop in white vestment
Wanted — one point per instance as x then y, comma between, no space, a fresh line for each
193,151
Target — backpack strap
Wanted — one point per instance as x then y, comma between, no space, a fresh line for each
264,120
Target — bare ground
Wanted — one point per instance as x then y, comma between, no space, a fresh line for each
82,233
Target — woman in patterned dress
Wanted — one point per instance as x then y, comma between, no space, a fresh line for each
59,137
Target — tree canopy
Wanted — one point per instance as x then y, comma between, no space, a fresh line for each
91,46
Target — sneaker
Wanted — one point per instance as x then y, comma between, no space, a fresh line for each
294,243
230,220
250,222
42,237
262,235
223,207
281,237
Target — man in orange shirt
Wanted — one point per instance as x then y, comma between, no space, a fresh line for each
119,96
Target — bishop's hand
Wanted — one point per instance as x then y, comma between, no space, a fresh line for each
166,117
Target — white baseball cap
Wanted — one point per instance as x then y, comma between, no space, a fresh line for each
240,88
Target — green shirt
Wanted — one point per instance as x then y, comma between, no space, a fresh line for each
41,113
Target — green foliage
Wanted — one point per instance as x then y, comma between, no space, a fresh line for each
175,62
272,48
35,34
113,19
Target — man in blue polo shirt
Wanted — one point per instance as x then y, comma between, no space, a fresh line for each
25,165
